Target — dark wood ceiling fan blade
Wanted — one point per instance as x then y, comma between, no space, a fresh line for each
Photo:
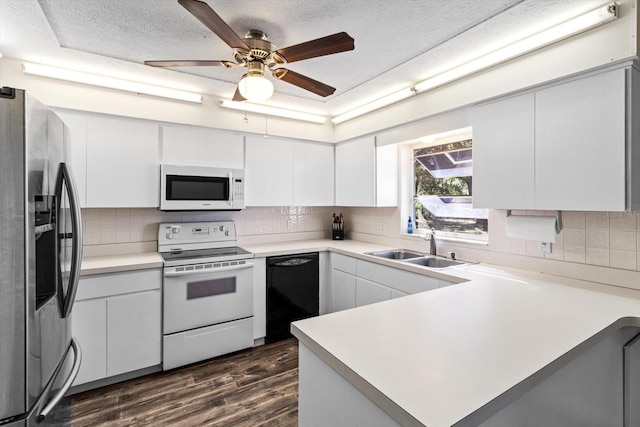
304,82
212,21
238,96
189,63
336,43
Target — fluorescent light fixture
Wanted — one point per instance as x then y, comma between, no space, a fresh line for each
272,111
110,82
569,28
539,40
371,106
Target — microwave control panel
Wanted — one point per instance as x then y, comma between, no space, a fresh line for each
238,189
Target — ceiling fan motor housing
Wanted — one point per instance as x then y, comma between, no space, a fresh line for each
260,50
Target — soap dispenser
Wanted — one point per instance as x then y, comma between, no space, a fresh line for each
410,226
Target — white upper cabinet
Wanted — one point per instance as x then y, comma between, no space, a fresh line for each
387,175
76,139
503,154
356,173
366,175
580,144
123,157
559,148
268,172
200,146
313,174
282,172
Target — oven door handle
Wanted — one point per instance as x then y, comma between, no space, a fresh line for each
173,272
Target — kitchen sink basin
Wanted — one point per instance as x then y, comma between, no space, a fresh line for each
434,262
401,254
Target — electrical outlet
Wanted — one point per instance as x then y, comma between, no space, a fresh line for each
380,227
545,247
289,224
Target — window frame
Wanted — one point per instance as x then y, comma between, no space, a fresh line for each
408,192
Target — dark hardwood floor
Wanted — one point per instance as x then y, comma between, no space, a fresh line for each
256,387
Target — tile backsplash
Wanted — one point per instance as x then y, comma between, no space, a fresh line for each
607,239
111,226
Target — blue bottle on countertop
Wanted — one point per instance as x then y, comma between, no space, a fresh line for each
410,226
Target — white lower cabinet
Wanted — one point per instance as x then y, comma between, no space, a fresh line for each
343,290
368,292
355,282
117,321
89,324
133,331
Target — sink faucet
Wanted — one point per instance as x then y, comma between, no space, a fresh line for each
432,241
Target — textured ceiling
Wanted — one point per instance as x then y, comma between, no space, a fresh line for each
397,42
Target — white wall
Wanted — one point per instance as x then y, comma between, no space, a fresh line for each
58,93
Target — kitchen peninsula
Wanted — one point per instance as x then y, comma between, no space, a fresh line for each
461,354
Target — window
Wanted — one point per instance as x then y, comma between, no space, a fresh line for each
443,191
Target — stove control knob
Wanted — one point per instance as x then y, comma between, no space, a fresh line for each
226,233
222,228
175,230
169,236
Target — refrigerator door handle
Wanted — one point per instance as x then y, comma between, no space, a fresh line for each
67,383
67,180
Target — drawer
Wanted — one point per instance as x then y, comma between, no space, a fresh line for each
343,263
126,282
199,344
401,280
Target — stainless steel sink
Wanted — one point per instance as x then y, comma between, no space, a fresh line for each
434,262
401,254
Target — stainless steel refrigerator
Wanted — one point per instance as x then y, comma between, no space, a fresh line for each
40,257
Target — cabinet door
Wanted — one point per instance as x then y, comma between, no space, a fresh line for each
194,145
580,144
133,332
387,175
313,174
123,163
343,290
269,172
75,138
503,154
356,173
89,328
398,294
368,292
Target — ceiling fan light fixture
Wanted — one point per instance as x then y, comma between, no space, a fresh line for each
255,87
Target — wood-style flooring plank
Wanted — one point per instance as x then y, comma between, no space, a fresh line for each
255,387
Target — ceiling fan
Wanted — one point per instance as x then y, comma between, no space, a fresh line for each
257,54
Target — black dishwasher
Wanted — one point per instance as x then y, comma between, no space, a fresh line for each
292,292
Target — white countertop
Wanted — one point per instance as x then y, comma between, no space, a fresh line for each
117,263
438,356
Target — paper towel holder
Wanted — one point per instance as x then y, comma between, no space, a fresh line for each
558,220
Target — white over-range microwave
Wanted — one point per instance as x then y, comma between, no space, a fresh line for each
189,188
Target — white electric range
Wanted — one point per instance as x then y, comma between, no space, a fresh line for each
207,292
